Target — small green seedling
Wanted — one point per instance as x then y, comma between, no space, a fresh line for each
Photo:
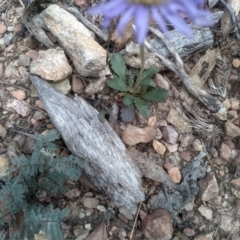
135,95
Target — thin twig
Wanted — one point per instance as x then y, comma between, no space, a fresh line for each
135,221
16,86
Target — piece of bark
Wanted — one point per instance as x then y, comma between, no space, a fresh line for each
202,39
110,167
212,103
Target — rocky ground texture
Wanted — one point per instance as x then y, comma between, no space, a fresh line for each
171,137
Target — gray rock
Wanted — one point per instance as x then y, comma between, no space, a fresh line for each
126,213
229,224
8,38
89,202
24,60
88,57
208,188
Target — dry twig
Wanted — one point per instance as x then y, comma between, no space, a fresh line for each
177,67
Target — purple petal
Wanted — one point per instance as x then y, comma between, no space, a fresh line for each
124,20
177,22
159,20
105,7
141,21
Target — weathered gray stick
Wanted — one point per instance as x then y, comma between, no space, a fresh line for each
212,103
109,167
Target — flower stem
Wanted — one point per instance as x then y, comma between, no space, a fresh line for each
142,67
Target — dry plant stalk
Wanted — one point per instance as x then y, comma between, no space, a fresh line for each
177,67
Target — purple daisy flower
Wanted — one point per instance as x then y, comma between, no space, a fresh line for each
162,11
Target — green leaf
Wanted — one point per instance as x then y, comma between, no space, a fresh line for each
102,114
156,95
118,66
131,80
144,84
117,84
146,78
150,72
128,100
142,106
152,84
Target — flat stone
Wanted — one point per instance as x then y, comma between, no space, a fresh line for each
231,129
204,236
62,86
225,152
197,145
236,62
3,28
186,140
208,187
175,174
235,104
122,218
96,86
39,104
100,233
19,94
39,115
73,193
229,224
189,232
226,103
188,207
90,57
10,71
161,81
158,225
178,121
24,60
236,182
23,108
171,147
89,202
159,147
51,65
33,54
77,85
133,135
8,38
170,135
126,213
185,155
205,212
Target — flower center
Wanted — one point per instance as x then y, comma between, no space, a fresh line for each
148,2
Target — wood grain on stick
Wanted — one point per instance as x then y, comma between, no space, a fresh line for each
109,167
